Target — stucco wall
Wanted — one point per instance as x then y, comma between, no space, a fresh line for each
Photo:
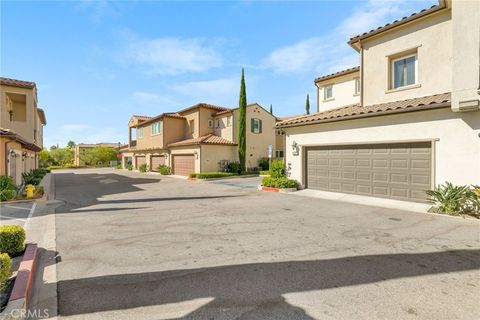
343,92
191,115
433,39
211,155
172,130
205,114
23,128
457,151
224,130
148,140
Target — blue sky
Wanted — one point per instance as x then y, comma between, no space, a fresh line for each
97,62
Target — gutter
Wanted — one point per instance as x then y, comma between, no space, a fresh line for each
370,115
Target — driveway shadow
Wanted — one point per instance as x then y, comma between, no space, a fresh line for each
251,291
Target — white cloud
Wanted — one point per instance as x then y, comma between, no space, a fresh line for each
221,91
330,52
172,56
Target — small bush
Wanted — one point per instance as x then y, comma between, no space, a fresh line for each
234,167
211,175
4,269
39,191
12,239
265,173
164,169
455,200
7,188
129,167
264,163
118,166
277,169
281,183
143,168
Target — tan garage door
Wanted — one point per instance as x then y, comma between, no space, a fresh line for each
156,161
183,164
399,171
140,160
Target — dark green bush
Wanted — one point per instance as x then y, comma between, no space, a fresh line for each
12,239
264,163
277,169
118,166
234,167
164,169
4,269
34,177
7,188
265,173
211,175
281,183
143,168
129,167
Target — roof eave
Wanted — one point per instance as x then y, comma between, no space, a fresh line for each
368,115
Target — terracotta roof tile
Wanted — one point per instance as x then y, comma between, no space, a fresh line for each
355,111
413,16
19,138
208,139
203,105
337,74
17,83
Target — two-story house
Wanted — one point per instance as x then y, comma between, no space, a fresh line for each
200,138
405,120
21,128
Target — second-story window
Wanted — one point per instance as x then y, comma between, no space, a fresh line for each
357,86
217,123
404,71
328,92
140,133
210,123
256,125
156,128
192,126
229,121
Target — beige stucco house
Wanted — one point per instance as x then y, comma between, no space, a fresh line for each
410,122
21,128
200,138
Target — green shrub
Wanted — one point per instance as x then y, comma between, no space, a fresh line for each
473,201
39,191
264,163
211,175
7,188
265,173
234,167
282,182
164,169
118,166
129,167
12,239
277,169
449,199
143,168
4,269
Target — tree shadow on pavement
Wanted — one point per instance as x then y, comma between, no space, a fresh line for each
251,291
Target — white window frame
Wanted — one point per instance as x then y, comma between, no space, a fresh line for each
357,87
159,123
325,98
217,123
256,125
392,71
140,133
229,121
210,123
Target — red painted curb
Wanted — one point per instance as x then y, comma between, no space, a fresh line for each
26,270
270,189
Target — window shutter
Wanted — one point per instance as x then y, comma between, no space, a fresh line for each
252,124
259,126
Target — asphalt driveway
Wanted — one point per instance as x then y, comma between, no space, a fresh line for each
141,246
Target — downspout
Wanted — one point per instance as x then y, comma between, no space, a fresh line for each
361,74
6,154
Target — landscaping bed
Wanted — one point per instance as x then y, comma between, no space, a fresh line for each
29,189
276,180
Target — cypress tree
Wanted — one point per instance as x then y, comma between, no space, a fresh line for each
271,109
307,105
242,123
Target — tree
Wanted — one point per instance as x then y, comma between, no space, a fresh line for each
307,105
44,158
242,123
99,156
53,147
271,109
61,156
71,144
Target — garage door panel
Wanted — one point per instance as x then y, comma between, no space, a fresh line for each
140,160
183,165
156,161
399,171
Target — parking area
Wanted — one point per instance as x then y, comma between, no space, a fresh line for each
242,183
140,246
16,213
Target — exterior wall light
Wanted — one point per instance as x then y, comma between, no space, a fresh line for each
295,148
195,153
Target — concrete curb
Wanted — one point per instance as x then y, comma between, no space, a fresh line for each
17,304
286,190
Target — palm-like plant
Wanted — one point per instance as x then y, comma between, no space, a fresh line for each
448,198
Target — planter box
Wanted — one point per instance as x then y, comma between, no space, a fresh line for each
286,190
